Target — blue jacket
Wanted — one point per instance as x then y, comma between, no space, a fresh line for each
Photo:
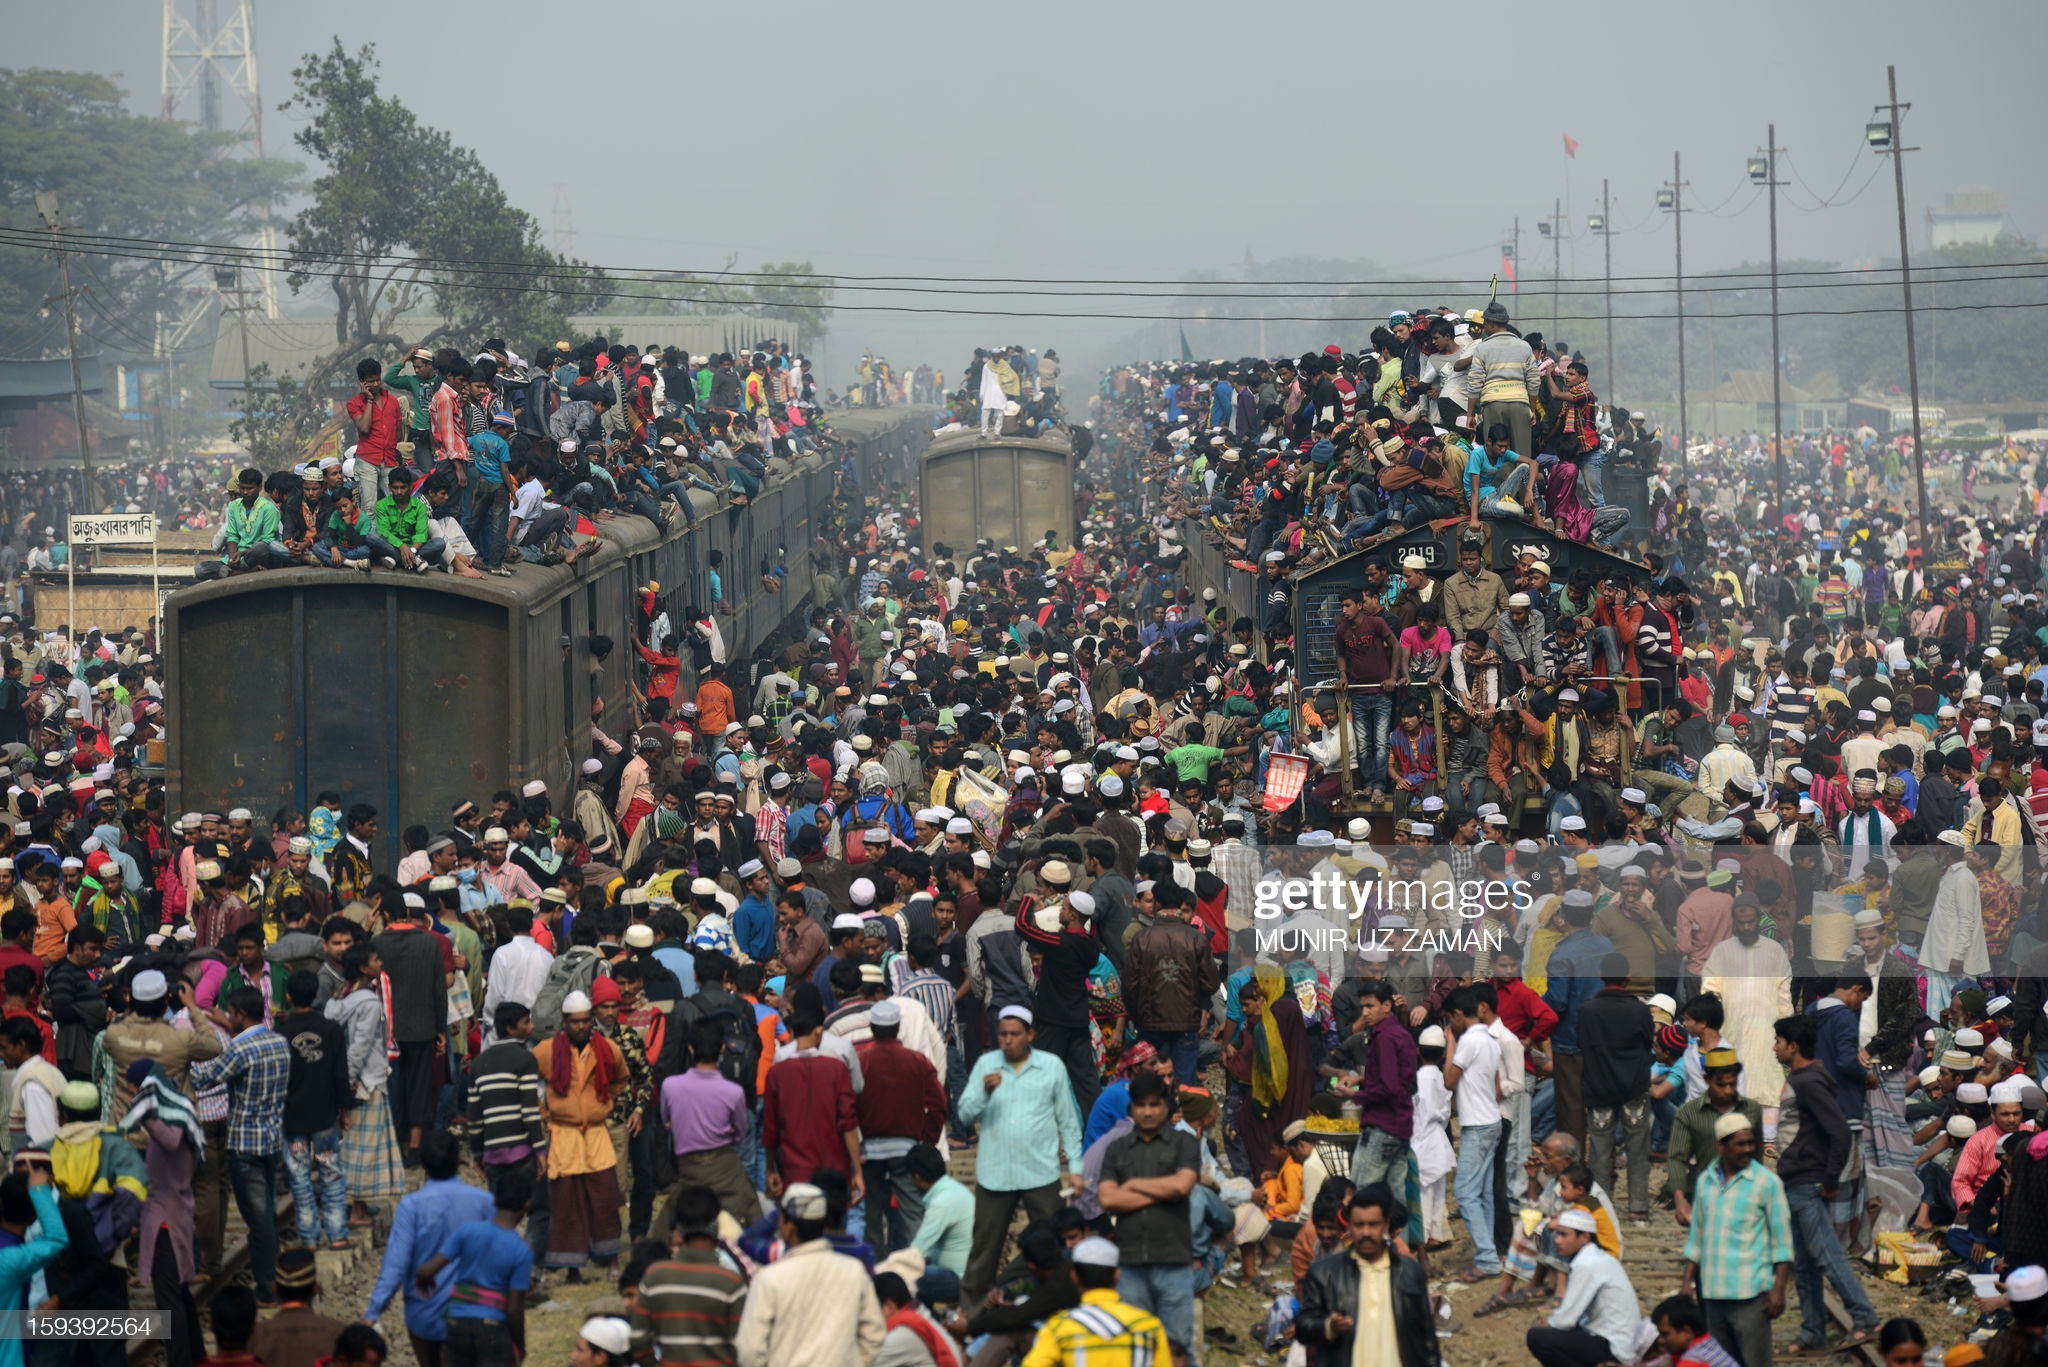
1837,1049
753,927
1574,980
419,1228
22,1259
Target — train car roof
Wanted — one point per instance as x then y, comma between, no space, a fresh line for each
531,586
969,438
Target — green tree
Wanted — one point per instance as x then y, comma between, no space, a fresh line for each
792,291
403,218
279,415
116,174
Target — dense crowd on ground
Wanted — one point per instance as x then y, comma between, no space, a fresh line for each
953,906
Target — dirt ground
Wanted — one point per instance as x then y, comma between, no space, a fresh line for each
1650,1255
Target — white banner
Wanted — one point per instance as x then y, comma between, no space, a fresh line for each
112,529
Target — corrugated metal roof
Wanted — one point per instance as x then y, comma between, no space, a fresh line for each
50,379
288,345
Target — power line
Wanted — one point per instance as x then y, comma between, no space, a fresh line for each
1723,284
288,260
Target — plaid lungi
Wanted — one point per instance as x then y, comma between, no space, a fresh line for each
1890,1137
369,1151
585,1225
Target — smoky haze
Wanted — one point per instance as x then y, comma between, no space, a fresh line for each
1157,142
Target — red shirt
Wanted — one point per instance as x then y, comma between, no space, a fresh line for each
379,445
12,954
1525,1013
806,1112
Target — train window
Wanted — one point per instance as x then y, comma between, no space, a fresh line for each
568,649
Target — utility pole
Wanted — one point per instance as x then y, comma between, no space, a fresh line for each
1884,140
1556,259
46,205
1766,169
1670,198
1598,223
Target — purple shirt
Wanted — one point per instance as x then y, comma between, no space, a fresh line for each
1386,1096
703,1110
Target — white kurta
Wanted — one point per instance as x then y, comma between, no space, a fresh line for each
1754,983
1955,927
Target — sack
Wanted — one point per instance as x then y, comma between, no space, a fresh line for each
574,971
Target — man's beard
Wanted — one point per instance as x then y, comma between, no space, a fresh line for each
1750,937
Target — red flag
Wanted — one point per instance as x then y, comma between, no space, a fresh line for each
1507,269
1571,147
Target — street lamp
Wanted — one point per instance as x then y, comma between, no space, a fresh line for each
1598,223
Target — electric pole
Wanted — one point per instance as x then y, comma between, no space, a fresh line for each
1671,199
46,205
1556,259
1764,170
1598,223
1884,140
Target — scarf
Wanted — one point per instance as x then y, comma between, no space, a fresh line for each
939,1345
159,1096
562,1074
1269,1053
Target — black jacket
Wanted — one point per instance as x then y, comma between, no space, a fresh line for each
1615,1035
318,1083
1331,1288
80,1010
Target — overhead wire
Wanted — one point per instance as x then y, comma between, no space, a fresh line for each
1578,288
236,254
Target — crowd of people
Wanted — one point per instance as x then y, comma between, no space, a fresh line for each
473,465
965,900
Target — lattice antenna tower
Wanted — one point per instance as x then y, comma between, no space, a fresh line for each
210,78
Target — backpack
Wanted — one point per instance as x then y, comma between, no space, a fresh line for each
739,1059
573,971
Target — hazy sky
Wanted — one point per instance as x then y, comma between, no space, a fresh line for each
1123,140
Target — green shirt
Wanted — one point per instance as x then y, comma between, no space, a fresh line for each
254,525
1193,761
420,392
402,526
1693,1145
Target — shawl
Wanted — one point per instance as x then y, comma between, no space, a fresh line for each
608,1065
157,1095
1269,1052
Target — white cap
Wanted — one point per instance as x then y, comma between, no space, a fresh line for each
534,788
1096,1251
2028,1283
1576,1219
149,986
862,891
593,766
1431,1038
497,835
575,1003
608,1333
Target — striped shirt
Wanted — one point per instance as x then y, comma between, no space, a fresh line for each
1101,1331
1790,707
690,1306
1030,1107
935,995
1741,1230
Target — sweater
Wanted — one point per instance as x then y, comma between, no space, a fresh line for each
1818,1147
504,1100
1614,1036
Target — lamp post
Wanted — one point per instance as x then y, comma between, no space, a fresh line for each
1763,170
46,206
1668,199
1598,223
1883,137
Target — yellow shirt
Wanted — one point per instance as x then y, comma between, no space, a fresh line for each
1373,1342
1078,1336
578,1141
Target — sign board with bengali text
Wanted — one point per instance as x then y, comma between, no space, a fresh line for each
111,529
